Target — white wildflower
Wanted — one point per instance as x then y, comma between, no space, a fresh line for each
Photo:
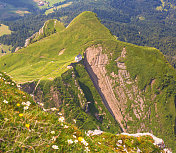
74,120
118,145
31,95
76,141
99,143
119,141
5,101
26,107
44,110
138,150
6,119
55,147
41,104
60,113
74,136
125,150
70,141
65,126
61,119
23,103
53,109
87,134
87,149
53,138
84,142
28,103
52,132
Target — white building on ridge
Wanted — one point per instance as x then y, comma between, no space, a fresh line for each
78,58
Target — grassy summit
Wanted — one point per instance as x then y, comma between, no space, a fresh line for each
41,60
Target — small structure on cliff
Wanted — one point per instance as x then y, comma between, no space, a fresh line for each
41,3
78,58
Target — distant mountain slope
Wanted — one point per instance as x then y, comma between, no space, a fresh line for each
14,9
136,84
10,10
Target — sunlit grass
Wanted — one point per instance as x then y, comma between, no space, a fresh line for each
4,30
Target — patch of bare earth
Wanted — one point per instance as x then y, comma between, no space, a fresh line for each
61,52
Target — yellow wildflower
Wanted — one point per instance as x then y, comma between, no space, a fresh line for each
80,139
27,125
18,104
20,115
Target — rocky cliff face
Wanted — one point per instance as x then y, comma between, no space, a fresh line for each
95,63
119,93
34,36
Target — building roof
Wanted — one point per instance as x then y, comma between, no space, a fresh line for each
79,56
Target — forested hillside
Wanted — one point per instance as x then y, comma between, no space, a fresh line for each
146,23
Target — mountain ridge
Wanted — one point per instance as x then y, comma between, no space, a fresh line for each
138,66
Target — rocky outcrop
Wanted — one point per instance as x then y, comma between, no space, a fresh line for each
45,31
35,35
119,92
129,95
157,141
55,97
95,62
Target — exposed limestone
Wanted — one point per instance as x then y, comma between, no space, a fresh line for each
95,63
55,97
119,93
95,132
28,40
157,141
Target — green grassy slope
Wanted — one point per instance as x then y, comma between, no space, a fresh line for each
5,49
4,30
148,64
34,130
77,98
50,27
41,60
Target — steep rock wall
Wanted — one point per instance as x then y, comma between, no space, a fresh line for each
119,93
95,62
